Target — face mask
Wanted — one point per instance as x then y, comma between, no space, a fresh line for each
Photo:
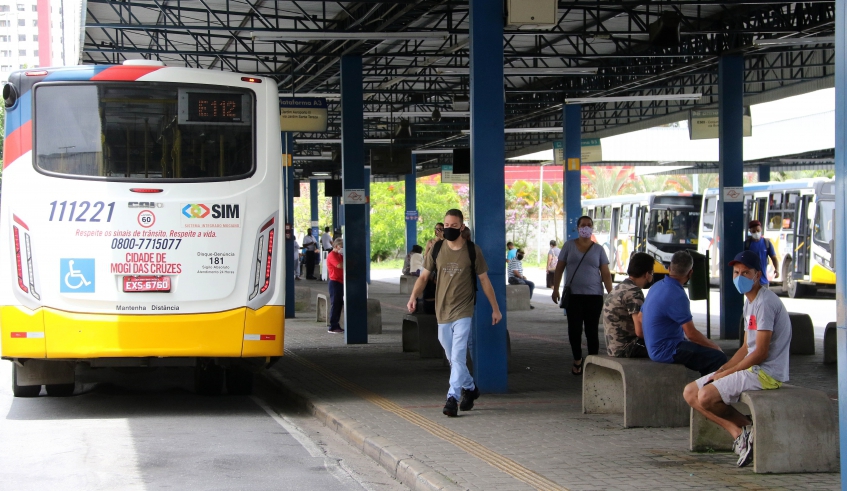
585,232
743,284
756,235
520,257
452,234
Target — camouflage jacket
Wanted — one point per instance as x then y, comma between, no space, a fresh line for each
618,308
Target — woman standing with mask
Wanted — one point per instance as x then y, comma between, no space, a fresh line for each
587,275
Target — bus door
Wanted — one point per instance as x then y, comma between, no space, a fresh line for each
640,229
614,230
755,208
802,237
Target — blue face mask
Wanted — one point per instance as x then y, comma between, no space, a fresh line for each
743,284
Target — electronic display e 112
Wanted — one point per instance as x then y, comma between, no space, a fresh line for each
206,107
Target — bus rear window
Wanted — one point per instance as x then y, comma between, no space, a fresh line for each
144,131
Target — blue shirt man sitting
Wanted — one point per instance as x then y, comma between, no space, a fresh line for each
667,322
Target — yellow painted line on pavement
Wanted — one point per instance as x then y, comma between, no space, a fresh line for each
494,459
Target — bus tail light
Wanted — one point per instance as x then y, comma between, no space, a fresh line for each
24,263
264,267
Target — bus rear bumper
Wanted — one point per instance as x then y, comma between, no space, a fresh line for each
53,334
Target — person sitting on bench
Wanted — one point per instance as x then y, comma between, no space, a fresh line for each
760,363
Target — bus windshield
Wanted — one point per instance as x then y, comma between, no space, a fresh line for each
823,222
137,132
673,226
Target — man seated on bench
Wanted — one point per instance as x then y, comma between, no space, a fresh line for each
622,310
667,322
760,363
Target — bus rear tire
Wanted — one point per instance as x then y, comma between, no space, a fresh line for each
23,390
790,285
239,381
60,390
208,379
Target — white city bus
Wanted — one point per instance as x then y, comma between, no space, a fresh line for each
797,217
658,224
140,213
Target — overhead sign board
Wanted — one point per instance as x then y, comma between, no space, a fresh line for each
302,114
705,124
590,151
447,175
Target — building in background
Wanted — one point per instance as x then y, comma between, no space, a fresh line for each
37,33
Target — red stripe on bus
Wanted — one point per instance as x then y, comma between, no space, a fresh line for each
17,143
18,334
125,73
19,221
267,337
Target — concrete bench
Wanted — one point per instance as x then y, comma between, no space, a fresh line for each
794,430
302,298
802,334
830,343
647,393
322,309
517,297
374,316
407,283
420,333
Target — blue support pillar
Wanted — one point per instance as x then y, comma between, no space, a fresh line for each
288,195
764,173
731,175
572,145
313,206
488,200
353,174
412,205
841,222
368,223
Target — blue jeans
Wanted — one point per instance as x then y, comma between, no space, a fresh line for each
700,358
520,281
455,337
336,303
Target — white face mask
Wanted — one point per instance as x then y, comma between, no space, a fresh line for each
756,235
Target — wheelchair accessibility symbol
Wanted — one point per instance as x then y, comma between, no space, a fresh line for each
76,275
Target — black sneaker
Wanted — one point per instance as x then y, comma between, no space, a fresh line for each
468,396
451,408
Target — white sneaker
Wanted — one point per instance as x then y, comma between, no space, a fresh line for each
745,456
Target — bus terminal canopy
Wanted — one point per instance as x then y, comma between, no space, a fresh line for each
416,61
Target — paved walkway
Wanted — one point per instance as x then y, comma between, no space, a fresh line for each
535,437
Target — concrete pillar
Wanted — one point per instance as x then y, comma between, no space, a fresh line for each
288,185
764,173
368,224
841,221
353,175
313,207
731,170
412,205
572,152
488,201
336,222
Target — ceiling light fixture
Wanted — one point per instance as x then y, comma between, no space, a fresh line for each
525,71
416,114
794,41
635,98
354,35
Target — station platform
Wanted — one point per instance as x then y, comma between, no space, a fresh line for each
389,403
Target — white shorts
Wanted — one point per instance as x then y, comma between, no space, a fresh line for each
731,386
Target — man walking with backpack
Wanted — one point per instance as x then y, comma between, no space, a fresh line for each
457,263
763,247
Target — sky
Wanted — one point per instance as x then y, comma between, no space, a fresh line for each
788,126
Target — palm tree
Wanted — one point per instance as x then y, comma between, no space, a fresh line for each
608,181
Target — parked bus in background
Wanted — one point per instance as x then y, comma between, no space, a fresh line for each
659,224
141,215
797,217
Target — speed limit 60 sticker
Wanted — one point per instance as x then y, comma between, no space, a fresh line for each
146,218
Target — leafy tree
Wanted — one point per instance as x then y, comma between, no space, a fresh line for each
607,181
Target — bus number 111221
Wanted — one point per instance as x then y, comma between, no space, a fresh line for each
78,211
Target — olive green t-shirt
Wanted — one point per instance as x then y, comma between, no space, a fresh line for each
454,287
